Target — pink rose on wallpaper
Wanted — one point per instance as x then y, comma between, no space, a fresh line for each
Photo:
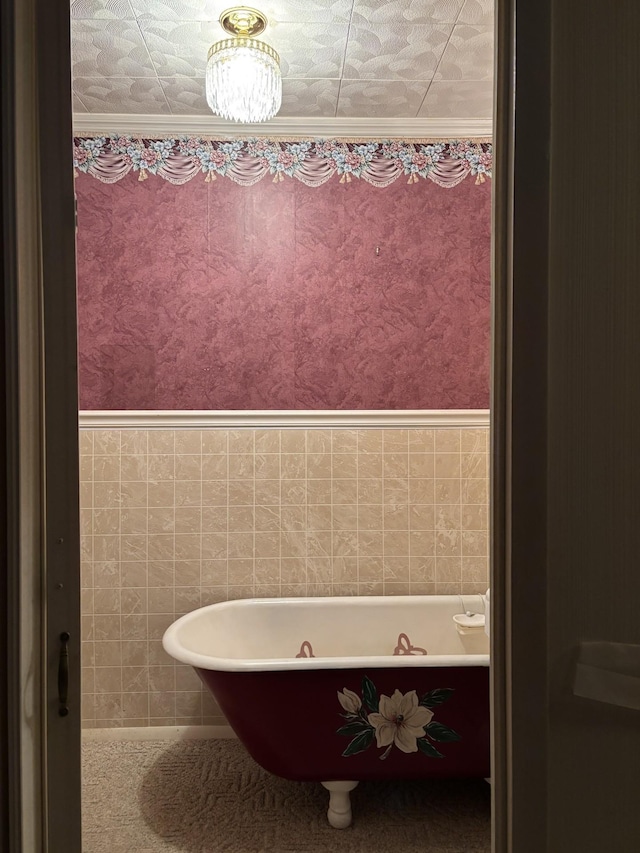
420,160
122,142
218,158
149,156
325,147
79,155
459,149
352,159
286,159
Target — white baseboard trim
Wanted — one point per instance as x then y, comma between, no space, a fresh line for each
158,733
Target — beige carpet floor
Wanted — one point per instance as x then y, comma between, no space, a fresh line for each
209,796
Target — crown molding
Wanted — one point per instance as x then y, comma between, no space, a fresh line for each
151,126
326,419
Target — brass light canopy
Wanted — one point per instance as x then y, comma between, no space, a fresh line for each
243,21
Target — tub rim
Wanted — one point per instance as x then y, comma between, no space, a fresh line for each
177,651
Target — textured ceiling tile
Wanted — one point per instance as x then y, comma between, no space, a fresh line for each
393,51
121,95
469,54
309,97
415,12
309,50
313,50
459,99
186,95
320,11
105,9
109,49
477,12
177,10
274,10
78,106
179,49
380,98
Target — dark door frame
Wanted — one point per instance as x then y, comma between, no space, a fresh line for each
40,770
519,425
41,110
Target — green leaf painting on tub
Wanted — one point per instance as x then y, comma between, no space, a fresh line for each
436,697
369,694
402,720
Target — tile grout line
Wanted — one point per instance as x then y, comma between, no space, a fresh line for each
460,504
201,534
173,536
146,506
357,456
119,510
408,508
332,513
253,524
93,571
383,477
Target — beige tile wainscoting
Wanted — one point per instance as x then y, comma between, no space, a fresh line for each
173,519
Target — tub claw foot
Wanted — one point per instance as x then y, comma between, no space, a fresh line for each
339,812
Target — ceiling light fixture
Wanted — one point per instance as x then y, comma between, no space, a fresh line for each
243,80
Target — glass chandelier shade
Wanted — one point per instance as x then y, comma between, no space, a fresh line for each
243,80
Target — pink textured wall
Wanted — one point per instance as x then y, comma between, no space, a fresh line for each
217,296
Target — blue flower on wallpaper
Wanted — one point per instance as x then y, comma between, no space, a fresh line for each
478,158
259,146
350,160
87,151
423,160
231,150
213,157
287,161
143,157
395,149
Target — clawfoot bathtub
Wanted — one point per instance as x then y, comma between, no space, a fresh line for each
339,690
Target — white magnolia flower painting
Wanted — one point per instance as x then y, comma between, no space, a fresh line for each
402,720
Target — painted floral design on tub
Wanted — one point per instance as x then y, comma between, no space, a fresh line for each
402,720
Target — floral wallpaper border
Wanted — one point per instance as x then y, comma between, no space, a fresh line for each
247,161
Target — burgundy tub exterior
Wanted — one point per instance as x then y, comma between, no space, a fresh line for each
288,721
342,690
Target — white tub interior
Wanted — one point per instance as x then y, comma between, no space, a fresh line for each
268,633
